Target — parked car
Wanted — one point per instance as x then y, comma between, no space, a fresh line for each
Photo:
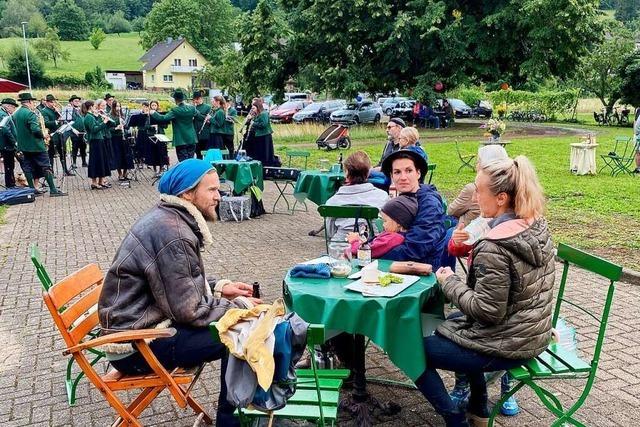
364,112
404,110
460,108
318,111
297,96
389,103
284,113
482,109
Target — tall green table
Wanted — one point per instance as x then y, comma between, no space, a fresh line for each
243,174
317,186
395,324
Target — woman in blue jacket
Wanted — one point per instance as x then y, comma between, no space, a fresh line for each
426,239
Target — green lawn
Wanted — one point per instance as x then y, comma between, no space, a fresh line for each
599,213
116,52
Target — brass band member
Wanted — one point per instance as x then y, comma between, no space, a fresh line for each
52,118
31,145
201,124
123,157
259,143
71,113
95,124
181,117
228,130
217,119
108,98
8,143
157,152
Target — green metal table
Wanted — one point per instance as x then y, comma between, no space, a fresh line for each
317,186
326,301
242,174
395,324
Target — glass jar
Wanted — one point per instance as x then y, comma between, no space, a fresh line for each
340,253
323,165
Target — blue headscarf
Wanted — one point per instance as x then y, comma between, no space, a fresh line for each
183,177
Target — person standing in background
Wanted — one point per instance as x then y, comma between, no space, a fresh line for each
201,124
228,130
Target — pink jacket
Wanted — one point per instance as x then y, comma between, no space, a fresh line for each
381,244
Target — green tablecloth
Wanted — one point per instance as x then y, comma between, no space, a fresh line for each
242,174
317,186
395,324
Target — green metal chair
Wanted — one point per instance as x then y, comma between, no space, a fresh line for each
71,384
621,158
431,168
557,362
357,212
317,390
466,159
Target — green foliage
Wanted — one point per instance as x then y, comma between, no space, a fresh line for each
192,20
627,10
16,12
630,76
137,24
264,40
245,5
97,37
96,80
550,103
64,81
70,20
598,73
37,25
227,73
382,46
50,48
17,66
470,95
117,23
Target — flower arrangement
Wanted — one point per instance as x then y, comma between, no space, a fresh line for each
494,128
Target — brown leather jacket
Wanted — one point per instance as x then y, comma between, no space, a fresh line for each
157,276
508,297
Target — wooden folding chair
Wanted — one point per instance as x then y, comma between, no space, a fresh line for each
71,303
71,383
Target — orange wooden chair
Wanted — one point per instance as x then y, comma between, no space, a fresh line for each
72,303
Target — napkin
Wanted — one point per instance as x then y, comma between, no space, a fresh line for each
320,271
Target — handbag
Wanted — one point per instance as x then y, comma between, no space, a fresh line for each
236,208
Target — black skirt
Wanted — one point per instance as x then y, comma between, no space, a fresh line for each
122,152
261,148
157,153
110,154
98,161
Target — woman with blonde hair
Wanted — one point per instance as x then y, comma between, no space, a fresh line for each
409,139
506,300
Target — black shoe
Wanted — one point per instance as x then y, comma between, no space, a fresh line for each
58,193
84,164
69,173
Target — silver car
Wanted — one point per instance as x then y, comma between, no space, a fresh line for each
355,113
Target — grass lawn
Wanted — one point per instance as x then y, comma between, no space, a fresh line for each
599,213
116,52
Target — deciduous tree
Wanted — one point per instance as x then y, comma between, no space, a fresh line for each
50,48
17,65
70,20
97,37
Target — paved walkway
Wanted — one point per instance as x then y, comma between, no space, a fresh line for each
88,226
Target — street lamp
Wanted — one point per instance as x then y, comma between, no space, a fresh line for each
26,52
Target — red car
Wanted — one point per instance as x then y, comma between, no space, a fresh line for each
284,113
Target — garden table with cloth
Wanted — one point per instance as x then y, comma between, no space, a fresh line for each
397,324
499,142
317,186
242,174
583,159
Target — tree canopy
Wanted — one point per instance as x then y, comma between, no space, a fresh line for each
70,20
192,20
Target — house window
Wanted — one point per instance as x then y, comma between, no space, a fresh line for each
167,78
193,63
153,78
177,62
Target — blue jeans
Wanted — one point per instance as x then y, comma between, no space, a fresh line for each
442,353
188,348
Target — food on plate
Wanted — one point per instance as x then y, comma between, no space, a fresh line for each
370,276
387,279
340,270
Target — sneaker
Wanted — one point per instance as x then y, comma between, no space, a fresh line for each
460,395
510,407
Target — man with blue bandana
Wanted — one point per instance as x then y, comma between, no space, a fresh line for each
157,280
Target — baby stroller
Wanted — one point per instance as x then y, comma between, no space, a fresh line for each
334,137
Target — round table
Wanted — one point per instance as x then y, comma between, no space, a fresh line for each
395,324
326,301
317,186
243,174
583,159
